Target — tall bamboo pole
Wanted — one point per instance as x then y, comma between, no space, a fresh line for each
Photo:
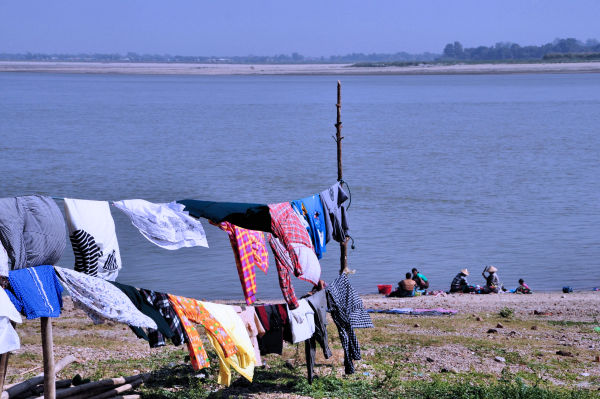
338,140
48,353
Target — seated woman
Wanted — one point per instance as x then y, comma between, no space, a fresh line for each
523,288
406,288
460,283
420,279
492,281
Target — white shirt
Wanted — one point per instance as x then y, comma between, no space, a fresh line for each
9,340
302,321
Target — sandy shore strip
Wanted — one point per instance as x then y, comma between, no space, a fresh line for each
305,69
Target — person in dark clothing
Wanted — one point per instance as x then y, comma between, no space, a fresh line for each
460,283
420,279
492,281
406,288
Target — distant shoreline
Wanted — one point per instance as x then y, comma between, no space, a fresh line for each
287,69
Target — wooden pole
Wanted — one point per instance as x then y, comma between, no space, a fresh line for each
3,368
48,353
338,140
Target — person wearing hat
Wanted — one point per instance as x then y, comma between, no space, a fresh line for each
492,282
460,283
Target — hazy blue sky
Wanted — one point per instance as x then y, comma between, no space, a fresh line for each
265,27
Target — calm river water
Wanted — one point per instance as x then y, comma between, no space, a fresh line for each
445,171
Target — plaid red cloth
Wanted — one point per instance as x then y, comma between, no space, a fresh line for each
250,250
284,271
286,225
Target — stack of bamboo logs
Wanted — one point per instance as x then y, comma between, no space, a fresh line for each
104,389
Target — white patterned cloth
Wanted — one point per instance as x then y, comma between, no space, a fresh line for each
93,237
165,225
9,340
101,300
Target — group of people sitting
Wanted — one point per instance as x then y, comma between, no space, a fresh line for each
417,281
492,283
413,281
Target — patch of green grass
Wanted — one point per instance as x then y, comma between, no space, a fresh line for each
506,312
511,357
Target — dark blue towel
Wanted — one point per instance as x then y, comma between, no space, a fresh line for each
35,291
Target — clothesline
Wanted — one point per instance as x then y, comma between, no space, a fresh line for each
298,233
340,181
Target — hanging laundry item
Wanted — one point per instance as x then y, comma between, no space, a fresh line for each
165,225
254,328
311,210
161,302
336,219
286,226
93,238
148,309
9,340
3,261
311,268
302,321
318,301
275,322
195,311
348,313
285,270
198,356
243,360
249,251
247,216
101,300
32,231
35,291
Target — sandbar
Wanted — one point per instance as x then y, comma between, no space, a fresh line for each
296,69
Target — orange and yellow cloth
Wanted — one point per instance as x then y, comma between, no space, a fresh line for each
190,310
244,360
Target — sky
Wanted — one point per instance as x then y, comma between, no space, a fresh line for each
268,27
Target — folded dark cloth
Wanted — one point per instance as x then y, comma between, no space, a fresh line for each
274,319
146,308
248,216
32,231
317,301
35,291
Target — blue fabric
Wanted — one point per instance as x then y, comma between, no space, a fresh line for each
315,217
35,291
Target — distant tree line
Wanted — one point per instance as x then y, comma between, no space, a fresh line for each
293,58
559,49
506,51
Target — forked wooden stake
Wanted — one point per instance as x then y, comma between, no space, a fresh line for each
338,140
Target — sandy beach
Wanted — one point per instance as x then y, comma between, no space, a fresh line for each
476,344
303,69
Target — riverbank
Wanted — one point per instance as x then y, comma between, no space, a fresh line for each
302,69
475,347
